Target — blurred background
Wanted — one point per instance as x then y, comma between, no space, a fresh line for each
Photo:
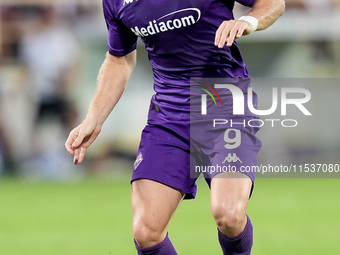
50,54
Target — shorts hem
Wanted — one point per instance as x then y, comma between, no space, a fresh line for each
188,193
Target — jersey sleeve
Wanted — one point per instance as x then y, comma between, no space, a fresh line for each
246,2
121,40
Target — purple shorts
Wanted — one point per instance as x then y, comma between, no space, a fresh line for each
177,146
176,161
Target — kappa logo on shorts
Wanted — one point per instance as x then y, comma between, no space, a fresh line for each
232,158
139,160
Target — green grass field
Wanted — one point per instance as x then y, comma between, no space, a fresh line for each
93,216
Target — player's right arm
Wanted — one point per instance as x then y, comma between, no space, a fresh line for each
112,79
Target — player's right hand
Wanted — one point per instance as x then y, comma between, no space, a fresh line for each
81,138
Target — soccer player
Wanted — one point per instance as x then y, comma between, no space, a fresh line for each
184,39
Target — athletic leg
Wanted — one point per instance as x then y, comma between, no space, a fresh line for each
153,205
229,199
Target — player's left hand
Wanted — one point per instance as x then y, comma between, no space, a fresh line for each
230,30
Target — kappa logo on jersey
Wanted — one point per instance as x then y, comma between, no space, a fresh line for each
128,1
139,160
232,158
174,20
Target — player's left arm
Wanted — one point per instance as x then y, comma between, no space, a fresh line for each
265,11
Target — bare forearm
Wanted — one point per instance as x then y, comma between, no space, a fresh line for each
112,79
267,12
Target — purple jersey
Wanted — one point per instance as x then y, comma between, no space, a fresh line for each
179,38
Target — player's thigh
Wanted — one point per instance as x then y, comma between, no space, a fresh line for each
153,204
230,193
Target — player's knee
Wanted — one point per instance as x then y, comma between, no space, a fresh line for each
228,219
147,235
